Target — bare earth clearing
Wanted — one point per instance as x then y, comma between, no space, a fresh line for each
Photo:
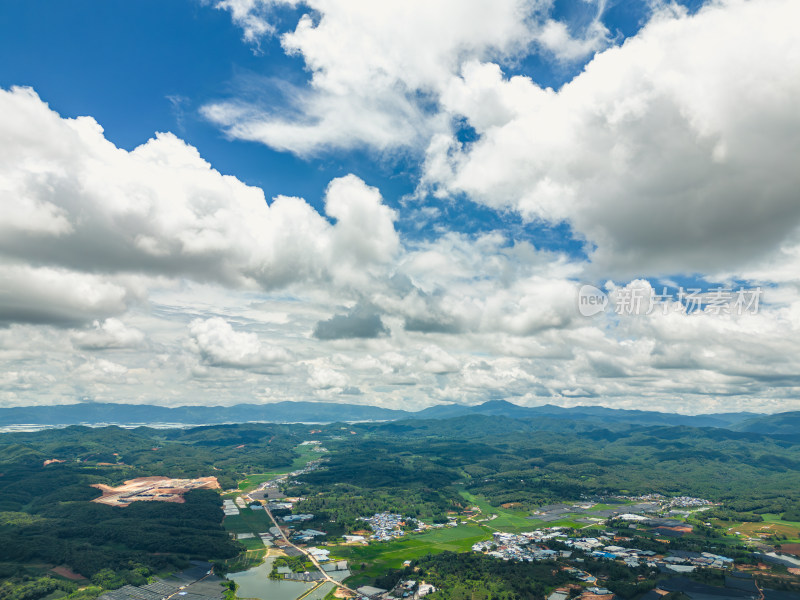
153,489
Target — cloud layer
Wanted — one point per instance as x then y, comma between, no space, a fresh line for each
674,152
377,69
79,207
149,276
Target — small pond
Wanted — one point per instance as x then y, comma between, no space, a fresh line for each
255,583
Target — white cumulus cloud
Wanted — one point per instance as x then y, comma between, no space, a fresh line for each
219,344
378,68
111,333
79,204
675,152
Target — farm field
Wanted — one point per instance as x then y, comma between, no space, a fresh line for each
252,543
772,518
772,526
789,528
307,454
245,560
251,482
597,507
507,519
380,556
248,521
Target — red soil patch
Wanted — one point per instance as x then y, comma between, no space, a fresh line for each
679,528
791,549
68,573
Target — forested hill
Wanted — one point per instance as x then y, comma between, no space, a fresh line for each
787,423
47,516
532,461
415,466
225,451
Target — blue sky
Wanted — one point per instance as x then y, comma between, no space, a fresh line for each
121,62
447,176
143,67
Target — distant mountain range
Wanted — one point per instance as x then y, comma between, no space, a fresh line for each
787,423
322,412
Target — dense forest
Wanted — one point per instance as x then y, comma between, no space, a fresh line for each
418,468
226,451
412,467
47,517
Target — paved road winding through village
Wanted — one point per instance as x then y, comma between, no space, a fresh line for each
313,560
